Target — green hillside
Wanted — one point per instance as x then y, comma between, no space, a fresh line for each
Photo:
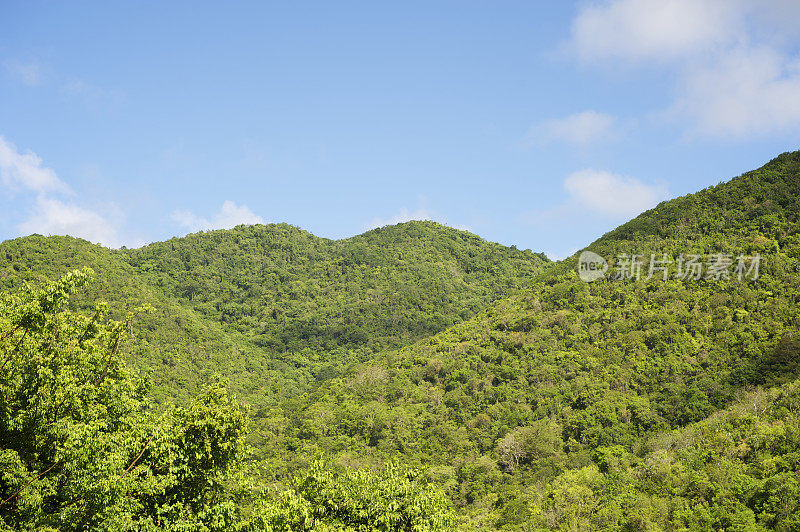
518,411
415,376
289,290
83,448
273,308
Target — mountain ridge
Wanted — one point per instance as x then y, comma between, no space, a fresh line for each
511,406
533,399
262,302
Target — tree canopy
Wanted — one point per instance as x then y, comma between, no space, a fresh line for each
81,447
411,378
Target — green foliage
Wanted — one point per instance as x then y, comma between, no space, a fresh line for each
82,449
288,290
561,383
79,447
736,470
274,309
327,499
531,399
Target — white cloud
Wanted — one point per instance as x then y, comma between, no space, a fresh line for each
229,216
611,194
735,64
579,129
30,74
25,170
643,30
50,216
748,92
594,203
406,216
54,217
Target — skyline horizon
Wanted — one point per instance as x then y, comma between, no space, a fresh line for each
536,125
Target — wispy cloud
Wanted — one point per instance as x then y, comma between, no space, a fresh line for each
24,172
30,74
20,170
94,97
580,129
748,92
54,217
652,30
611,194
230,215
39,74
736,75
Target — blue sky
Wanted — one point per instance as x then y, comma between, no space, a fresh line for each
539,124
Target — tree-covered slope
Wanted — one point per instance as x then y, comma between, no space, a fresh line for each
289,290
273,308
82,448
515,404
626,403
178,348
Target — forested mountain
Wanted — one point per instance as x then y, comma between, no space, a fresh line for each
82,447
288,290
553,408
273,308
418,378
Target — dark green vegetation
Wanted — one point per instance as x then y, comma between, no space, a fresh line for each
274,308
546,409
620,404
82,449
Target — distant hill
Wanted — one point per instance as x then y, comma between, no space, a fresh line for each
534,399
289,290
275,309
554,407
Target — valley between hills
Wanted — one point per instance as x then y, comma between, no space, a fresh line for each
414,377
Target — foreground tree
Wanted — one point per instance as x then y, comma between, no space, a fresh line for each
82,449
79,449
327,500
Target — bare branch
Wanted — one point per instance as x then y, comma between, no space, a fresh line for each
29,482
